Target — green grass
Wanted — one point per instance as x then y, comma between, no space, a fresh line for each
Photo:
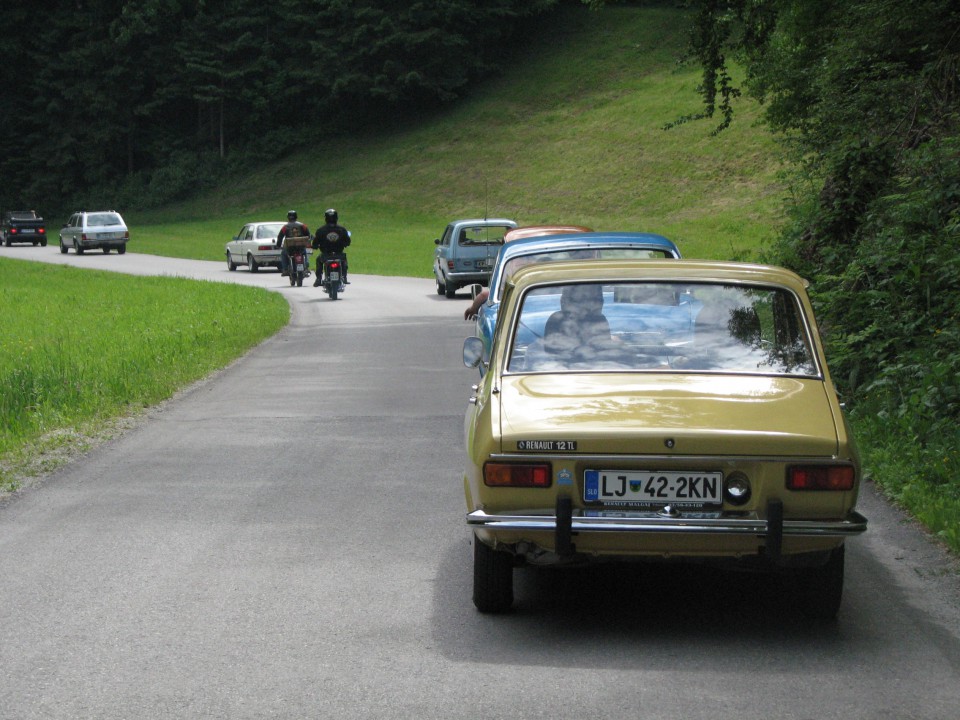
550,140
85,347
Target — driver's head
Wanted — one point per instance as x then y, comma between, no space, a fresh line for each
583,299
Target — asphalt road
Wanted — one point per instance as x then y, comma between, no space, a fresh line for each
286,539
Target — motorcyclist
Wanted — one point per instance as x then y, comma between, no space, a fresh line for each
331,239
293,228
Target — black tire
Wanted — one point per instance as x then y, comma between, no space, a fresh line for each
121,250
106,251
78,248
43,242
252,264
441,288
231,265
492,578
63,248
450,291
333,291
820,589
7,241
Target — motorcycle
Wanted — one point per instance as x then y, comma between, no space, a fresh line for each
332,281
297,250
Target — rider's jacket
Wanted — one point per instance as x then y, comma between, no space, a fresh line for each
331,239
292,229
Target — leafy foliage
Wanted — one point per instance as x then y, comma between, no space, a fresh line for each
867,95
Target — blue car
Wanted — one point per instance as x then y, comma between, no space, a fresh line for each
554,248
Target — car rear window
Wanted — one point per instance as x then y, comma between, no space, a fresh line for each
520,261
483,234
268,231
102,219
664,327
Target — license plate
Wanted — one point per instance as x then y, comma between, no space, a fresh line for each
334,275
299,267
484,264
652,487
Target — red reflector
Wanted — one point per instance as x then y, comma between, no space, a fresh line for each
820,477
511,475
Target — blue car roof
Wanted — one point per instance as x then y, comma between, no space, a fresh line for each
574,241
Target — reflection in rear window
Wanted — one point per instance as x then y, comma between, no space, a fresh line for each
268,231
662,326
101,219
483,235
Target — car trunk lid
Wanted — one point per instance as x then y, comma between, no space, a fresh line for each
658,414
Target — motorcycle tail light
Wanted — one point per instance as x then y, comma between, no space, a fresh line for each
820,477
497,474
334,266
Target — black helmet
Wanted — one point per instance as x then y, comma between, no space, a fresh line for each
331,216
291,215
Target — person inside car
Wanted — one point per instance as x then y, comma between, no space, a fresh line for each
579,326
292,229
331,239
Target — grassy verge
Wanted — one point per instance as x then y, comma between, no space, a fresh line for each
919,475
85,348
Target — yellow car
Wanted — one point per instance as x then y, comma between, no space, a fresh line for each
658,410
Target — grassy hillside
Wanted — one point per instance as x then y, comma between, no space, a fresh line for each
572,132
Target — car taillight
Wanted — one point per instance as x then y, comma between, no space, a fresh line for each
820,477
41,230
449,264
261,248
83,237
497,474
13,231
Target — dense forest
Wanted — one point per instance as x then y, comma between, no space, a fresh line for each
140,101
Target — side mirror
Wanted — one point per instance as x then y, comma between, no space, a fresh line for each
475,290
472,352
436,241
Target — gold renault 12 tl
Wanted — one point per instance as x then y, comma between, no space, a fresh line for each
658,410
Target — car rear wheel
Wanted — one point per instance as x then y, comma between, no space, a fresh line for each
78,248
121,250
821,588
231,265
492,578
441,288
63,248
450,290
252,264
106,251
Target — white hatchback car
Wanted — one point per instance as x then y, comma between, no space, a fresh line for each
104,229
